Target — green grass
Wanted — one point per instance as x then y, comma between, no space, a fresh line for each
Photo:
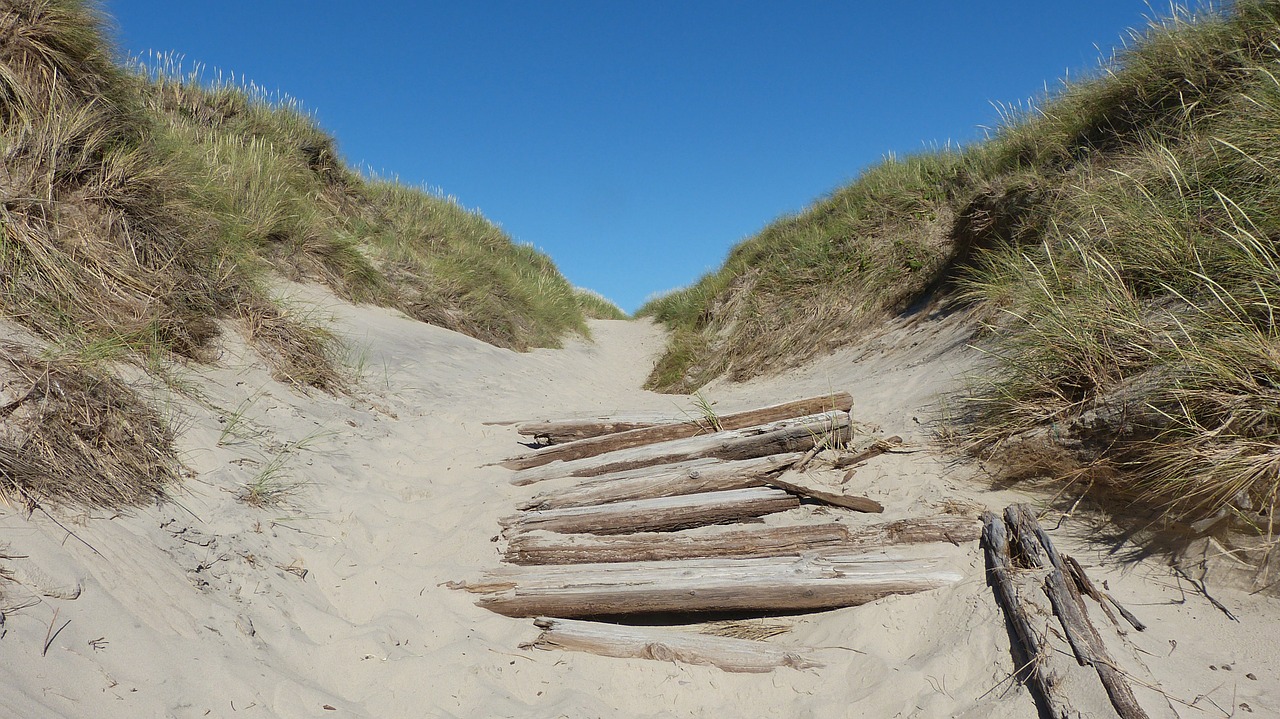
145,204
595,306
1121,238
783,296
145,209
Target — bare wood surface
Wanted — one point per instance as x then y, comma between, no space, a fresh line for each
1043,684
790,435
705,585
757,541
1067,604
639,437
667,645
656,515
558,431
703,475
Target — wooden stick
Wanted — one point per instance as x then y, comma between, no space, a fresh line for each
705,585
848,501
702,475
627,642
1102,598
656,515
758,541
602,444
1043,684
875,449
792,435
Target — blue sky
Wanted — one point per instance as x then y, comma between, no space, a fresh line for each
635,142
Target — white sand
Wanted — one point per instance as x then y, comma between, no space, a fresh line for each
189,609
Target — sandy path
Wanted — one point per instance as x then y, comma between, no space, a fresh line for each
207,607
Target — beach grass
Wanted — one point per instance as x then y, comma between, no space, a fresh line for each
1119,236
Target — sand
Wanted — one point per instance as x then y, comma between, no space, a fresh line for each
333,603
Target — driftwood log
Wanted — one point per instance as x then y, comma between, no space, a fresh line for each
705,585
1063,593
741,542
627,642
612,442
1019,536
792,435
656,515
1034,670
559,431
700,475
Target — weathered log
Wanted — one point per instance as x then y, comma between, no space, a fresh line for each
757,541
1042,682
667,645
571,430
615,441
1063,593
656,515
705,585
791,435
702,475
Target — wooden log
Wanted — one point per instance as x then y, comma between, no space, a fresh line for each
688,477
790,435
667,645
705,585
1025,531
758,541
1085,641
655,515
615,441
702,475
1043,684
570,430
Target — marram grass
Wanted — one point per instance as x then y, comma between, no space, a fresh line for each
1121,238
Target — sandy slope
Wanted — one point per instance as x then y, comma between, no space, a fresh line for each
201,606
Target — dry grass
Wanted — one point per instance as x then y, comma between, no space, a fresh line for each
298,351
72,434
141,207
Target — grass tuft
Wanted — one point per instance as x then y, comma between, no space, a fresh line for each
73,434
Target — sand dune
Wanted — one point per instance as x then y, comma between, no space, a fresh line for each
333,602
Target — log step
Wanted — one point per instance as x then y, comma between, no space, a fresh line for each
559,431
700,475
707,585
790,435
656,515
617,440
757,541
